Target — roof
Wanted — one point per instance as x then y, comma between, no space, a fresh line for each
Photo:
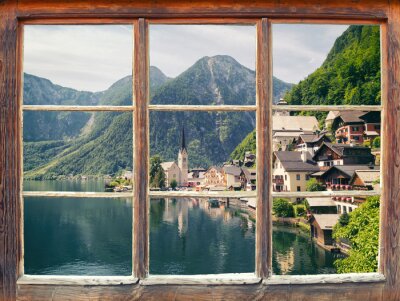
312,138
343,149
167,165
371,133
250,173
218,168
367,176
326,221
349,170
332,115
294,123
321,202
352,116
292,161
232,170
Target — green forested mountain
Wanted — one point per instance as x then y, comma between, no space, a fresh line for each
350,75
100,143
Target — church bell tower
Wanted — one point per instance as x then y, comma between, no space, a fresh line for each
183,160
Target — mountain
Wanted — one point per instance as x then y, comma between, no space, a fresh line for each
101,143
350,75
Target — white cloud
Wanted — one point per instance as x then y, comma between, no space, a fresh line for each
86,57
174,48
93,57
299,49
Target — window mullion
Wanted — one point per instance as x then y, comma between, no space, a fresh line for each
141,151
264,149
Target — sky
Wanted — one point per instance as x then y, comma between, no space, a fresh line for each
93,57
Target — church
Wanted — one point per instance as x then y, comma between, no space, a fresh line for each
178,172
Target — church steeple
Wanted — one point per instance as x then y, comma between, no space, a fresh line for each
183,141
183,163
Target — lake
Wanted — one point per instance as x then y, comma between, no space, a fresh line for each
86,236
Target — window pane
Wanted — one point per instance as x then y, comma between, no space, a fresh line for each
202,64
201,236
325,234
76,151
202,151
77,236
78,64
328,64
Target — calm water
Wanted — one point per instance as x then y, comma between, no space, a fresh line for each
84,236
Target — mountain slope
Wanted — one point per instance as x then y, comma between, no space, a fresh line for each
349,75
103,144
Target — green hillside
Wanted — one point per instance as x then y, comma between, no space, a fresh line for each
350,75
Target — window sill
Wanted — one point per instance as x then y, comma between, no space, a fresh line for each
75,280
331,278
217,279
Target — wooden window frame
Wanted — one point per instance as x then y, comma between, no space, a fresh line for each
384,285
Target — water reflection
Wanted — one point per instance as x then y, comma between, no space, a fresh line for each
200,236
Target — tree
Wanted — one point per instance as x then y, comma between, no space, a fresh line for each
157,175
362,231
173,184
313,185
282,208
376,143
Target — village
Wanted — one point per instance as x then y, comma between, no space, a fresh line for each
343,156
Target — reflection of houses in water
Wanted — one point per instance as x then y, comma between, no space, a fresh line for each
177,210
286,262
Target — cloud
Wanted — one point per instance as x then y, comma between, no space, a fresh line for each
93,57
87,57
299,49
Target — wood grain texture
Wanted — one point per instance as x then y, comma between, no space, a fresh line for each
73,194
264,100
76,280
10,213
78,108
329,292
141,151
390,210
206,108
361,9
325,108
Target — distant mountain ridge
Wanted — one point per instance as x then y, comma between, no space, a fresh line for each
72,143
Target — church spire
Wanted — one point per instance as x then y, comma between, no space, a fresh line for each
183,141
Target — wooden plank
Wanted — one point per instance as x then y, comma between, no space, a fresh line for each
315,194
318,279
390,210
75,280
141,151
331,292
73,194
10,213
206,21
327,21
264,150
325,108
213,279
203,194
206,108
366,9
78,108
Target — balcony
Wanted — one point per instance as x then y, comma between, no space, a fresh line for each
278,181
